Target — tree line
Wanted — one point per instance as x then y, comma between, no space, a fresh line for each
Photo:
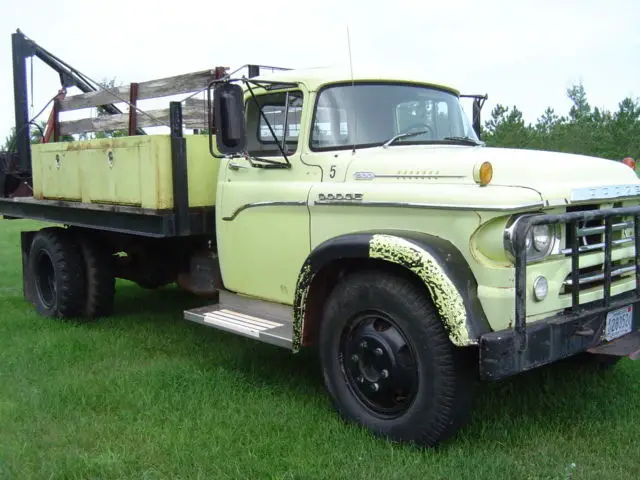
585,130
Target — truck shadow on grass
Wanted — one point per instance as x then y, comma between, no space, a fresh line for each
556,398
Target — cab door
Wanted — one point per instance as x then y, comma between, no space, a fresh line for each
262,214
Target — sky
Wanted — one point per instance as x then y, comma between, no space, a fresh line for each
524,53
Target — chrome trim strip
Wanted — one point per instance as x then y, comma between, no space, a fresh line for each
615,227
426,175
600,276
598,246
262,204
441,206
372,175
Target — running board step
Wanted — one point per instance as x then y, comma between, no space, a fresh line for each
258,319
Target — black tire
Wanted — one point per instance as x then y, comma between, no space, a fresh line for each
57,274
429,402
101,283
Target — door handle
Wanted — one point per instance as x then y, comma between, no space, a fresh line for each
236,166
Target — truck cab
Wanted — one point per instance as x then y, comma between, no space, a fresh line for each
340,139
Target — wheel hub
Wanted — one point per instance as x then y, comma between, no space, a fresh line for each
379,365
373,357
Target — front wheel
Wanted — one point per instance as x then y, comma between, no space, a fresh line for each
388,363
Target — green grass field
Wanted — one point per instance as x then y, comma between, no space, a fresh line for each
146,395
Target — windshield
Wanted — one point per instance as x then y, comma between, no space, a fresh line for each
373,114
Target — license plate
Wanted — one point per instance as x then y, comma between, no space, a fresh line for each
619,323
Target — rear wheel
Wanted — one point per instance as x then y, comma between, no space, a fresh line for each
101,285
57,274
388,363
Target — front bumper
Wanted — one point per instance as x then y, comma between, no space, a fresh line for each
579,328
556,338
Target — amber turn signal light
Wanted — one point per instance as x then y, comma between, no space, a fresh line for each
483,173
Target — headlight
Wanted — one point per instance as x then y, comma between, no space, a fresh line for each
541,241
541,237
540,288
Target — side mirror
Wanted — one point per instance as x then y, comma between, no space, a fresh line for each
478,102
228,108
476,117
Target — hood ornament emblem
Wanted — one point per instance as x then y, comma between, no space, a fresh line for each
364,176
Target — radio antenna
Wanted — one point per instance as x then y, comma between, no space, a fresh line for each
355,114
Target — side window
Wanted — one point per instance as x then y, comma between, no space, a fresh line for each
276,115
282,111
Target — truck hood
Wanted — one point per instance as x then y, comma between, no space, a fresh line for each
557,178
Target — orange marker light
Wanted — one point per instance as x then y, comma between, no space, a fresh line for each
483,173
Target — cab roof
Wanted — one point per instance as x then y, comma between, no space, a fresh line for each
316,77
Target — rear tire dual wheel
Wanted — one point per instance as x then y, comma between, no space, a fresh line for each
101,282
70,276
388,363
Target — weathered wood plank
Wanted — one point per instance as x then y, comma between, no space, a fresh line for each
194,115
162,87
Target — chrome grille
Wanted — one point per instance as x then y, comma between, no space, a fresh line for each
594,278
591,245
589,232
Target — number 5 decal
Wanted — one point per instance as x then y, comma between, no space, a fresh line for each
332,171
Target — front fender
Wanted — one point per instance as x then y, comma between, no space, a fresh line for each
435,261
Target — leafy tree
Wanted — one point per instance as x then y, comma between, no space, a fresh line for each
507,128
580,110
547,122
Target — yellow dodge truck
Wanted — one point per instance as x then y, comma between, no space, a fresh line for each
357,214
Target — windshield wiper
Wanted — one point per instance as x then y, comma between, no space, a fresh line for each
465,140
403,135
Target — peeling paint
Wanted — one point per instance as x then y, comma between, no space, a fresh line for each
445,295
299,305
